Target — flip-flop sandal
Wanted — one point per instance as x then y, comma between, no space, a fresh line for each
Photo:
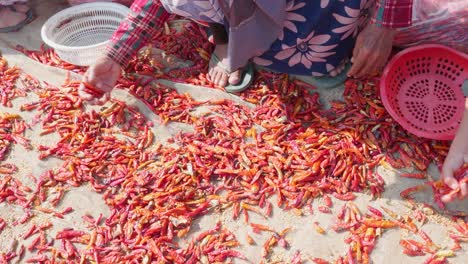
246,78
327,82
29,17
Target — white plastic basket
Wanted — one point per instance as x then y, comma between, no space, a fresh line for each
79,34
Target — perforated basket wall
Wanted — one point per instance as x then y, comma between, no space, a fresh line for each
421,88
80,33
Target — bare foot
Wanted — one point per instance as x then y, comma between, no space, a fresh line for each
338,69
217,74
23,8
10,18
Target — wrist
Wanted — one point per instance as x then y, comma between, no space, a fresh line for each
460,142
116,56
384,30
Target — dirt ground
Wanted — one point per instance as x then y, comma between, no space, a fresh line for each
303,236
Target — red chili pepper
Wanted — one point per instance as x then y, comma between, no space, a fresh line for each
68,234
413,175
283,143
318,228
345,197
2,224
324,209
375,211
319,261
32,230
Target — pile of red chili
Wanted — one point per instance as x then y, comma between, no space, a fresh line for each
285,145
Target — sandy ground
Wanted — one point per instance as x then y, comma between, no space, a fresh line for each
303,237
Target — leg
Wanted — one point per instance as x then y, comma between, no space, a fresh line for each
221,71
216,72
12,14
219,33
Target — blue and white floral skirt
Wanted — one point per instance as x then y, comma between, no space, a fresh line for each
318,35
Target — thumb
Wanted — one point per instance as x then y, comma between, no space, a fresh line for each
354,58
104,86
92,76
82,94
464,189
447,175
356,49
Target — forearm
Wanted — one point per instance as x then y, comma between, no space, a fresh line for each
145,17
460,142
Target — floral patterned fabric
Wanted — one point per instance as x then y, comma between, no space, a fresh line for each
318,36
309,37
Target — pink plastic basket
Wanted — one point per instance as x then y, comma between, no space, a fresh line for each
422,89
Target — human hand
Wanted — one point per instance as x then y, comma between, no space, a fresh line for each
453,164
456,160
371,52
102,76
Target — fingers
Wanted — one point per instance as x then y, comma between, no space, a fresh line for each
363,59
372,48
94,98
461,191
368,63
450,180
448,198
354,67
370,67
84,95
447,175
359,63
464,190
357,47
103,99
81,89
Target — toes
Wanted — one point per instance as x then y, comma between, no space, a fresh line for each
235,77
447,198
219,77
210,75
340,68
223,80
216,77
21,8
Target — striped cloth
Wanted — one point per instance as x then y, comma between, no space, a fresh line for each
392,13
79,2
437,21
10,2
144,19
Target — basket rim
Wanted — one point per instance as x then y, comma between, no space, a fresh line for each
58,17
384,95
